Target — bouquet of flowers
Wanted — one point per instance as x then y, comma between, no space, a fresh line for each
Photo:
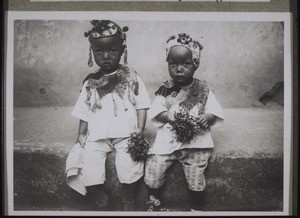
138,146
185,126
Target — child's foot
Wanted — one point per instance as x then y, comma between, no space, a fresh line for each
128,206
101,203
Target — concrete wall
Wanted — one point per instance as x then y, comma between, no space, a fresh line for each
240,60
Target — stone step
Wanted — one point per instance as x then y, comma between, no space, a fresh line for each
233,184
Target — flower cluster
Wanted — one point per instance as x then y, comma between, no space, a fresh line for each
138,146
185,126
184,38
106,28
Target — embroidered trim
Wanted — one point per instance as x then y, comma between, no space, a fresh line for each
196,94
168,88
116,83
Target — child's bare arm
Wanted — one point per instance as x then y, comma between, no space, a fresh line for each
141,119
165,117
206,120
82,130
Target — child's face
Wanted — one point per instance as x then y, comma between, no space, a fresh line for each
181,67
107,53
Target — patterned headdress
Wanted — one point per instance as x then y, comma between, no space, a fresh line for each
186,41
105,28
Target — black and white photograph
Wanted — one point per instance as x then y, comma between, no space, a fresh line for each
148,113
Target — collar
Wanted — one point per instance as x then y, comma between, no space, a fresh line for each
110,74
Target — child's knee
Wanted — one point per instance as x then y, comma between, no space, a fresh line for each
153,181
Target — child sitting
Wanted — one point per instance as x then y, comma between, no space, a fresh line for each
184,109
112,104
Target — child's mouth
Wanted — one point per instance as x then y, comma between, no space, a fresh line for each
106,63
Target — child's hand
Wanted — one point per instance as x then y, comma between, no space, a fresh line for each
205,120
81,140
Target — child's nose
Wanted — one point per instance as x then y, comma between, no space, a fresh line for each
105,55
179,67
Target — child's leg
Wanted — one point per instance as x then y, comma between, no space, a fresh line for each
155,177
155,192
97,193
197,200
129,172
194,162
128,198
94,159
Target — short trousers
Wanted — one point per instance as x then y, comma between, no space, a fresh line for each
95,154
194,162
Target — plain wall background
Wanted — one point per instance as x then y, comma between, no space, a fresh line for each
240,60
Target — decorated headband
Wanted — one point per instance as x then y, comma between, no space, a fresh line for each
105,28
186,41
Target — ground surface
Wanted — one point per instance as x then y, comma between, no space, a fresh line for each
245,171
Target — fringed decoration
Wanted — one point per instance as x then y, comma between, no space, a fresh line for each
115,106
90,61
94,106
98,103
125,55
87,101
125,107
88,97
130,97
136,86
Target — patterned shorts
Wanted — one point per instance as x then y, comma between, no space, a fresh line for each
194,162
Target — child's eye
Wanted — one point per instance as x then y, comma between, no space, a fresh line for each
113,50
187,64
172,64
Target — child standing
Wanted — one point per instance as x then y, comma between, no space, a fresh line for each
190,98
112,104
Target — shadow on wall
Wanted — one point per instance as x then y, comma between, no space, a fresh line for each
240,60
276,94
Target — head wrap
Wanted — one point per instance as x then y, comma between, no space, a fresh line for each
186,41
105,28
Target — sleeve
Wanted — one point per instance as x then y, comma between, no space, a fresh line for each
158,106
142,99
214,107
81,109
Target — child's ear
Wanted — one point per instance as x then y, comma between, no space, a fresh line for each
197,66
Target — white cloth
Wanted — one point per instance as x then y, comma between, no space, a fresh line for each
103,123
165,142
74,165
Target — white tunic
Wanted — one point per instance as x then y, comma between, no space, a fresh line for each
117,118
165,142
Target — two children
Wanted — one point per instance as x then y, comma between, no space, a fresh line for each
113,104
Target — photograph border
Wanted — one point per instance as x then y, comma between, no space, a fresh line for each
285,17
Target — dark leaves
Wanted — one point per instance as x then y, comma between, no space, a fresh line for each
186,127
138,147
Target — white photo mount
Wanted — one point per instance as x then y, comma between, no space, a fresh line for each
148,32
